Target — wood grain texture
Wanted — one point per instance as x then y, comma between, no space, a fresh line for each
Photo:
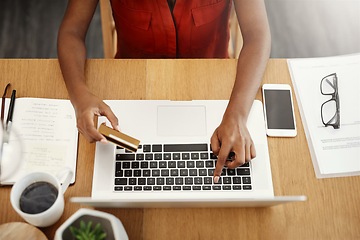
332,210
20,230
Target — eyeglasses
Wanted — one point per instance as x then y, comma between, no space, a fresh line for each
330,109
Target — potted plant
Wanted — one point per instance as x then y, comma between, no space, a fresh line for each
91,224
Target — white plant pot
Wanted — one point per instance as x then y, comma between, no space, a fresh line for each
110,224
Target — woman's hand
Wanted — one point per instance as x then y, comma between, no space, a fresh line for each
232,135
87,106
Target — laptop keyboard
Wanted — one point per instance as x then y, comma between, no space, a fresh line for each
175,167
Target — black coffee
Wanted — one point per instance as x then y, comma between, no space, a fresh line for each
38,197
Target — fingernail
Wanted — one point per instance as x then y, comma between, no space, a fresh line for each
103,140
216,179
117,128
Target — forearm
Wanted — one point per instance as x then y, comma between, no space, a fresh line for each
72,56
250,69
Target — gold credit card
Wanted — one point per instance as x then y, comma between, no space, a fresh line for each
119,138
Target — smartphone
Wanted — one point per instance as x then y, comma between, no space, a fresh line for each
279,110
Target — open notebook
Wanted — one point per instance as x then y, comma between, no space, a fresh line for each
174,165
43,138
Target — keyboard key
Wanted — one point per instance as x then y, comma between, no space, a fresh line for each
155,172
120,181
195,156
202,172
160,181
125,156
200,164
119,173
174,172
181,164
230,172
209,164
170,181
141,181
135,164
166,188
198,180
179,181
147,148
118,188
140,156
186,187
128,173
157,188
184,172
207,180
216,187
172,164
128,188
150,181
163,164
125,165
149,156
206,187
158,156
154,164
236,187
167,156
146,173
246,180
176,188
165,172
157,148
137,173
193,172
202,147
245,165
204,155
117,166
226,180
243,171
190,164
144,165
196,187
226,187
213,156
147,188
236,180
176,156
138,188
185,156
132,181
189,181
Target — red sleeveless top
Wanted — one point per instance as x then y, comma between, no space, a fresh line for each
195,28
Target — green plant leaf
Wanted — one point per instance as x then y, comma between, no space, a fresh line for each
87,232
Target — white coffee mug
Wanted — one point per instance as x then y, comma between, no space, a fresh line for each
48,217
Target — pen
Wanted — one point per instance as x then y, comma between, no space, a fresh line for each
11,111
3,103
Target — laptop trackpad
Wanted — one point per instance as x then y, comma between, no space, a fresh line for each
181,121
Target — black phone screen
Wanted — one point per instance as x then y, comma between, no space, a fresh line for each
278,107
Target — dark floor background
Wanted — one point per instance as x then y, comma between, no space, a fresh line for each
299,28
28,29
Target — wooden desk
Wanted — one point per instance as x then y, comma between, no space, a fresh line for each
331,212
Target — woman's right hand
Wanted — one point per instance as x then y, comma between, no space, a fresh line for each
87,107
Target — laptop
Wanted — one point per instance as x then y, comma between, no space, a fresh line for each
174,165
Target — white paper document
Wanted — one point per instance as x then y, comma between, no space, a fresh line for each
44,137
334,152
